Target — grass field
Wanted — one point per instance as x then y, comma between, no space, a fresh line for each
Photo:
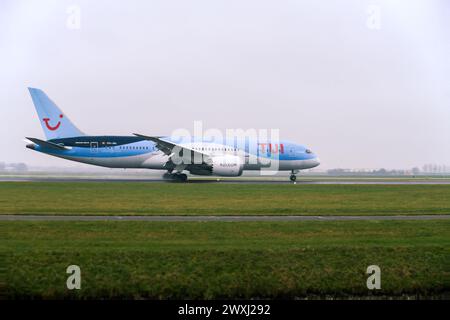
159,260
140,198
225,259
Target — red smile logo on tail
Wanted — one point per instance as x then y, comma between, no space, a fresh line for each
49,127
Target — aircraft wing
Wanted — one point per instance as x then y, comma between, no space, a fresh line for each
169,148
48,144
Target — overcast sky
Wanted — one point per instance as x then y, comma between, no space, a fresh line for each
364,84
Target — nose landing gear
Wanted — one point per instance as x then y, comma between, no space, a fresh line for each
293,177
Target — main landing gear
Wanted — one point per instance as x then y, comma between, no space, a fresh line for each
293,177
181,177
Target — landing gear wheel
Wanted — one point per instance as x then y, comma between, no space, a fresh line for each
293,177
167,176
179,177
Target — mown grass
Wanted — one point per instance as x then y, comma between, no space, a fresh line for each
192,260
220,199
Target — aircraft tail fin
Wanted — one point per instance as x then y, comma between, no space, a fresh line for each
53,121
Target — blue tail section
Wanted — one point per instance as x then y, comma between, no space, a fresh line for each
54,122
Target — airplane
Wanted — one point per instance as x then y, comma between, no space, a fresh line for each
198,156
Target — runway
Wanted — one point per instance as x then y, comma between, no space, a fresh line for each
241,180
216,218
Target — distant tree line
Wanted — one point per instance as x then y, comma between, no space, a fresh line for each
20,166
386,172
436,168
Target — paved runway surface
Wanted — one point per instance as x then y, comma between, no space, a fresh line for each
243,180
214,218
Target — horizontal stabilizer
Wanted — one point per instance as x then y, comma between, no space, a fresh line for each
47,144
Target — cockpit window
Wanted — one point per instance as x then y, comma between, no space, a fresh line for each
308,151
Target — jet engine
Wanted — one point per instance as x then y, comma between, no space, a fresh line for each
227,166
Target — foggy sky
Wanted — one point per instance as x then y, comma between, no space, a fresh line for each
360,95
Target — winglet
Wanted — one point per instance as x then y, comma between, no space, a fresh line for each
152,138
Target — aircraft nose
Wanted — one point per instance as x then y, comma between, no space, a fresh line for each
316,161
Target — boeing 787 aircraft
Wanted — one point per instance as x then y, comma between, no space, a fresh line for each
198,156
